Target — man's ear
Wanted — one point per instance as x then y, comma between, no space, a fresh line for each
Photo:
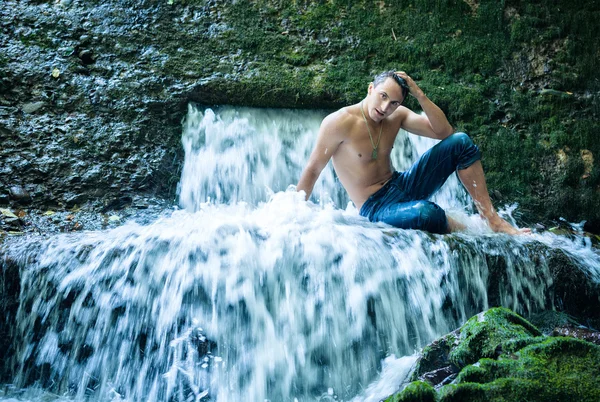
371,86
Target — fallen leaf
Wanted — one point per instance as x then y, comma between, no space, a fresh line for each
56,73
21,214
70,217
49,213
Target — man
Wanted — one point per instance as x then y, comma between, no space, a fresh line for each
359,139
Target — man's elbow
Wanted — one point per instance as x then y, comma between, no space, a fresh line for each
446,132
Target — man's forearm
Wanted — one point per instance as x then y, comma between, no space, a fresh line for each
307,182
437,118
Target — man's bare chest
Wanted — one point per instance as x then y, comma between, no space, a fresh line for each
362,147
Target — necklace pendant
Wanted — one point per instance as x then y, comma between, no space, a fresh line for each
374,154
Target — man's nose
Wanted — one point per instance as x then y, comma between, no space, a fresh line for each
384,106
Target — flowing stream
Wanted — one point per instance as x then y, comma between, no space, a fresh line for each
247,292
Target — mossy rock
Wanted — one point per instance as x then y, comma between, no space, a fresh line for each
505,358
488,333
555,369
435,355
484,335
547,321
417,391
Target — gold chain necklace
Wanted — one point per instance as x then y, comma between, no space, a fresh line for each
374,154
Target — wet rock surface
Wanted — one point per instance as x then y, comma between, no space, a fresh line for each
74,126
563,280
10,286
15,222
556,323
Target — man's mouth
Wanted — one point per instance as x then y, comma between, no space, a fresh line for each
378,112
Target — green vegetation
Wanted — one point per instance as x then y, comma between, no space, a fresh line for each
505,358
486,335
555,369
417,391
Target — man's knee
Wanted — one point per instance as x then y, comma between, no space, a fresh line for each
432,217
460,139
464,149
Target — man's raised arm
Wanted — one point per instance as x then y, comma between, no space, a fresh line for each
328,141
434,124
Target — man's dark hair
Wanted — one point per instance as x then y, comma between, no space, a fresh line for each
399,80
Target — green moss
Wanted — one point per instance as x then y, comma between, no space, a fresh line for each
512,160
415,392
505,358
484,335
541,22
37,38
549,370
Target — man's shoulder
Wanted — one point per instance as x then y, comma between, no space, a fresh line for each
337,125
400,113
341,118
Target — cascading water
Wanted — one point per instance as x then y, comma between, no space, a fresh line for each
250,293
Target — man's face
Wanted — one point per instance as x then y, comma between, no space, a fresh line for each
384,99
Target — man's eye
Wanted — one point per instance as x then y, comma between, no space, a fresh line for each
383,96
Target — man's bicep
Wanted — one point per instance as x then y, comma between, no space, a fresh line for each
418,124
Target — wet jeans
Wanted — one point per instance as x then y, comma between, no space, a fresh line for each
403,200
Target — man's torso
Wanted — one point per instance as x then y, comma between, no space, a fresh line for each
359,173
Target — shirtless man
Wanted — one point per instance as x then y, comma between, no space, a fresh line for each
359,139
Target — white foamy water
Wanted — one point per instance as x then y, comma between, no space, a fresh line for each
250,293
243,155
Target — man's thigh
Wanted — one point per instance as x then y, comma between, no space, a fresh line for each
423,215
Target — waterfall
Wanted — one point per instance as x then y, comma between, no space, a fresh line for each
247,292
244,155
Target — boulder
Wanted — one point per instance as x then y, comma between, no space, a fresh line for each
498,355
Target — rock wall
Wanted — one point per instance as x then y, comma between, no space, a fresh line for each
92,93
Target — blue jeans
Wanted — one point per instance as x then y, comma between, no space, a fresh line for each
402,201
